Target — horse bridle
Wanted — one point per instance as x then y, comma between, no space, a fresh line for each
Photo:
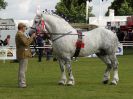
77,51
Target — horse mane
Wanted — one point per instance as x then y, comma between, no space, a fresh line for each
54,15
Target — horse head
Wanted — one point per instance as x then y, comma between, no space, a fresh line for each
39,26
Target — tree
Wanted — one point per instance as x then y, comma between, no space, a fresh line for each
73,10
125,9
3,4
122,7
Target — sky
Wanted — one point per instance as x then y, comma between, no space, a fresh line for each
26,9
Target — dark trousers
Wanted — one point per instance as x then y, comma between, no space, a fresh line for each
48,54
40,54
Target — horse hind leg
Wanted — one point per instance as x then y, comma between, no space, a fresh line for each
107,61
114,62
63,79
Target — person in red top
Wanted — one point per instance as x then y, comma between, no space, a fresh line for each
7,40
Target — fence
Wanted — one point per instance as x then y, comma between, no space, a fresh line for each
10,52
126,43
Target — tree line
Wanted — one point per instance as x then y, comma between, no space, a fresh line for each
74,10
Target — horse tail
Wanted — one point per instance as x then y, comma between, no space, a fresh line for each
117,42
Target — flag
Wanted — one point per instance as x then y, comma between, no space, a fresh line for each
38,10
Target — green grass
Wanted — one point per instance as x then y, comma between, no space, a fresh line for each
42,80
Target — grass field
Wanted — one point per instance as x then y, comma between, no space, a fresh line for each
42,79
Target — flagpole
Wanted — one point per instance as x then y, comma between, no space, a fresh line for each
87,8
100,10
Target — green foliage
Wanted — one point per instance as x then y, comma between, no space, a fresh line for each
122,7
125,9
73,10
42,80
3,4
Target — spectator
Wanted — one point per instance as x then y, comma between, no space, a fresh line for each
7,41
48,51
120,35
40,43
1,41
130,33
126,37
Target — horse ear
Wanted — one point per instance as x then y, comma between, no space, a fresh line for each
38,11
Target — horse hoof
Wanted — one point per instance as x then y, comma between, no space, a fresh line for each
62,82
105,82
113,83
71,83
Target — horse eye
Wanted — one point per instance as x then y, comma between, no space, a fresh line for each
35,22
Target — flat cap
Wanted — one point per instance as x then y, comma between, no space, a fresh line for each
21,25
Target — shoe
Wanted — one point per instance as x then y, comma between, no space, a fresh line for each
39,61
22,86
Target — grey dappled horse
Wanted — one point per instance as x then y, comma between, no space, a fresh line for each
102,42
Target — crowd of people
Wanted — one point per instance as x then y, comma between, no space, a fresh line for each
125,35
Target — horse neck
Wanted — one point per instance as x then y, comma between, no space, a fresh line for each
54,27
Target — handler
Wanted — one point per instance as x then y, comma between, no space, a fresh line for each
23,52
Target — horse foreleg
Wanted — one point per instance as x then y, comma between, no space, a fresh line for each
115,69
63,79
71,78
